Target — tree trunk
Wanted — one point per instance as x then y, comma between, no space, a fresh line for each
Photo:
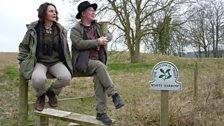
199,51
135,57
213,40
217,41
206,51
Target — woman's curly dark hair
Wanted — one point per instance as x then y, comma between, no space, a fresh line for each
42,11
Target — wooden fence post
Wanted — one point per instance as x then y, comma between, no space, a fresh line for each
195,81
23,102
164,108
103,27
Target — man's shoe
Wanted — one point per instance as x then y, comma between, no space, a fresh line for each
118,103
40,102
53,101
104,118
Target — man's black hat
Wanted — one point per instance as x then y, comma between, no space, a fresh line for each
84,5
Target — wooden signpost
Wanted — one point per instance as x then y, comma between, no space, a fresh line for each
165,75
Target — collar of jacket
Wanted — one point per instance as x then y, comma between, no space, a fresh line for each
32,25
94,23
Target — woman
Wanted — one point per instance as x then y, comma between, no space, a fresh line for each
89,56
45,49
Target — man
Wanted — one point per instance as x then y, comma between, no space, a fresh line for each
89,56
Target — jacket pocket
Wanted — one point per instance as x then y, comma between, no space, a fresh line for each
26,67
82,61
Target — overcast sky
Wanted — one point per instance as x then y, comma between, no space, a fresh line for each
15,14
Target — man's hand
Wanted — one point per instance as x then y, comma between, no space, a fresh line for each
103,40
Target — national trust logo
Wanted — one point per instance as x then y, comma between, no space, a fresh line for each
165,77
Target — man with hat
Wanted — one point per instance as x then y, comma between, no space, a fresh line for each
89,56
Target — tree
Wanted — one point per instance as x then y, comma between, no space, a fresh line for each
169,36
145,23
164,36
216,11
131,20
134,21
205,27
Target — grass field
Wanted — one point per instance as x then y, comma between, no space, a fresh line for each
142,105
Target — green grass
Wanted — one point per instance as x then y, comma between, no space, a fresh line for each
128,67
10,78
142,105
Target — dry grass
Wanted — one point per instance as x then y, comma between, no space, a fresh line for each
142,105
8,59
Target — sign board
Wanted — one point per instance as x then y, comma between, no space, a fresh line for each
165,77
